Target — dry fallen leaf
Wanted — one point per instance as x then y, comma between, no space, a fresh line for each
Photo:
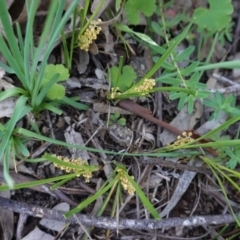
6,106
196,115
72,83
74,137
181,121
38,234
53,225
6,220
2,72
83,61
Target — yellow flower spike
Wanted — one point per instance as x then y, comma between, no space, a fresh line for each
90,34
87,176
186,137
78,162
124,181
146,86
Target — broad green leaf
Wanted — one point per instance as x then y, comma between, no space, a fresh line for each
216,18
57,91
113,75
122,121
117,114
113,117
133,8
52,69
126,78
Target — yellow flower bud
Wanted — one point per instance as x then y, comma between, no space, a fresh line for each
89,35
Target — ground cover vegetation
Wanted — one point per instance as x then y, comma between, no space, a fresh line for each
127,112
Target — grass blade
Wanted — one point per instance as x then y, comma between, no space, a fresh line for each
12,42
92,198
145,201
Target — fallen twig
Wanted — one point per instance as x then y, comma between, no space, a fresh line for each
146,113
112,223
174,165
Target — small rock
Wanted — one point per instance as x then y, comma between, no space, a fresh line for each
120,134
139,65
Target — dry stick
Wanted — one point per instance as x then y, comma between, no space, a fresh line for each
225,80
174,165
111,223
145,113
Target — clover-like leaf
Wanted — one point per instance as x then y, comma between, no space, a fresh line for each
216,18
115,116
125,80
133,8
122,121
52,69
57,91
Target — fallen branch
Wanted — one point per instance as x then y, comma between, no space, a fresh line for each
174,165
112,223
146,113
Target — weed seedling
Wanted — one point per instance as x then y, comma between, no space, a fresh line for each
116,118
